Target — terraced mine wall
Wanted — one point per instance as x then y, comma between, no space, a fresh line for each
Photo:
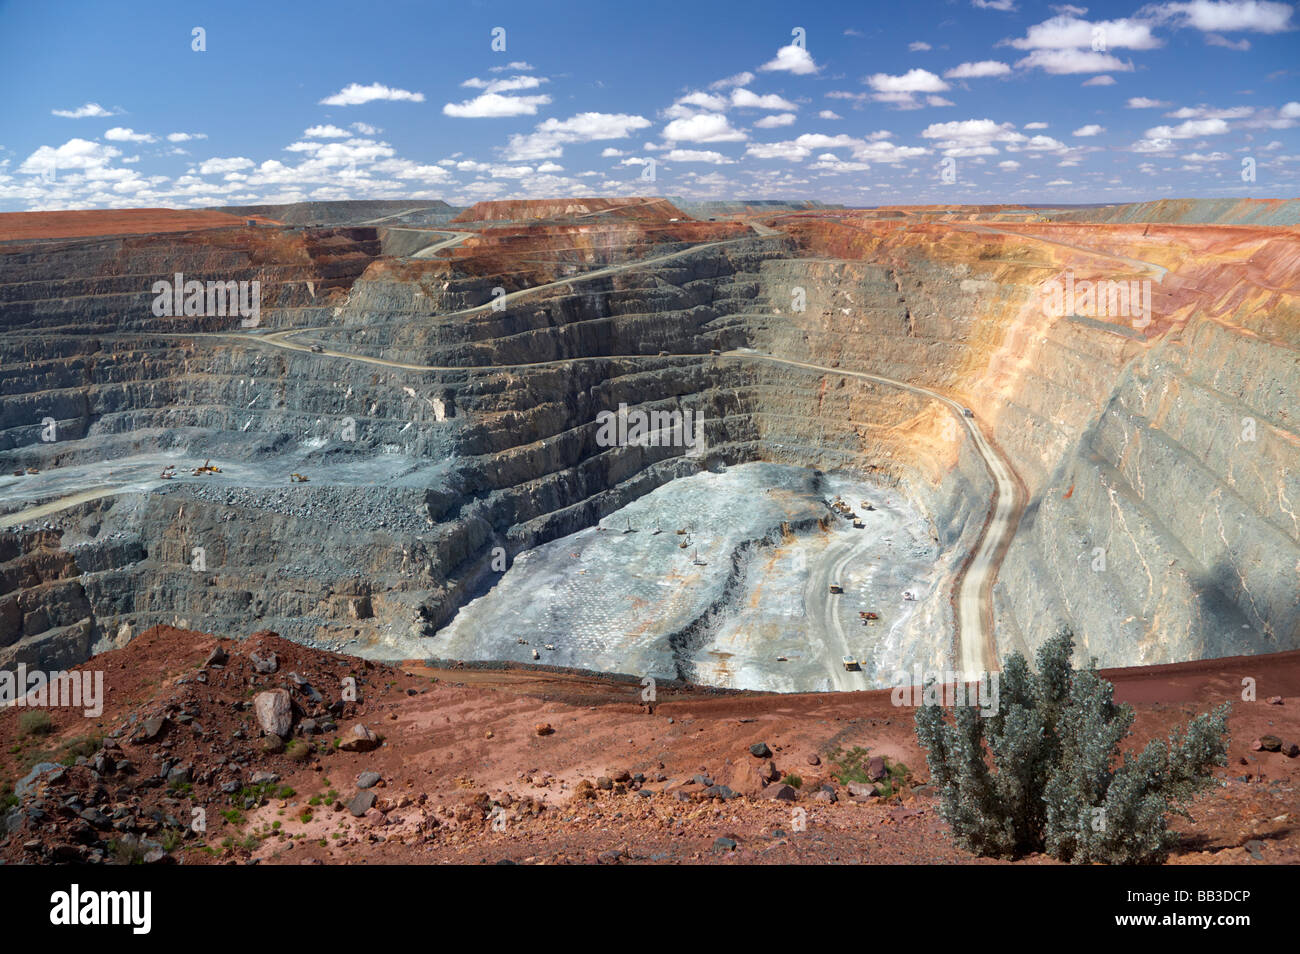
419,475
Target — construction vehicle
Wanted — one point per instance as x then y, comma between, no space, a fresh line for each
536,654
714,351
298,478
850,664
967,412
168,472
782,659
869,616
858,524
207,468
836,588
521,641
316,349
680,532
550,647
33,470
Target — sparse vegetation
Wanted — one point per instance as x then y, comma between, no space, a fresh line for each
35,722
1057,783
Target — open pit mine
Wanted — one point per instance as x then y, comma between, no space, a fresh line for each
769,446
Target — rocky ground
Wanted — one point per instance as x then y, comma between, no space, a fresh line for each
514,764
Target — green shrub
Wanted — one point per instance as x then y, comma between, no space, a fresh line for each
1057,783
35,722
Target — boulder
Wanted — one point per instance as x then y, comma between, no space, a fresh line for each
1267,743
368,779
361,803
274,711
876,770
781,793
861,790
760,750
361,739
747,779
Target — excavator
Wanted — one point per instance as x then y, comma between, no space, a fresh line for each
298,478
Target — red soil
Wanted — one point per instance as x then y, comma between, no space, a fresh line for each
44,225
462,741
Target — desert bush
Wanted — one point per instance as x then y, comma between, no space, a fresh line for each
1057,783
35,722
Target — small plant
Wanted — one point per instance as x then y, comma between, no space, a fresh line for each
305,815
35,722
1057,783
794,781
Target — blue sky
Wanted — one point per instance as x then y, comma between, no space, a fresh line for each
109,105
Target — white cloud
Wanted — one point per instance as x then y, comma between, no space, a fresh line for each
1065,62
1092,129
366,129
1035,125
495,106
978,70
875,150
919,46
1102,80
122,134
792,59
1068,32
699,100
512,84
210,167
73,154
972,137
697,155
1218,39
744,99
517,65
325,132
705,127
1144,102
1257,16
740,79
1211,157
775,121
1189,130
829,114
185,137
610,152
549,137
1009,164
86,111
1005,6
913,81
355,94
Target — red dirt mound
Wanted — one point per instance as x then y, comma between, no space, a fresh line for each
44,225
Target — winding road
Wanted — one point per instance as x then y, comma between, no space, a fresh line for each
976,647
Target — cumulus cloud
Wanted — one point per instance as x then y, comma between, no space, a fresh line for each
919,46
549,137
978,70
775,121
1191,129
1102,80
354,94
494,105
325,132
73,154
1144,102
697,155
744,99
1256,16
1092,129
740,79
874,148
211,167
185,137
792,59
86,111
1065,62
972,137
829,114
703,127
122,134
1068,32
